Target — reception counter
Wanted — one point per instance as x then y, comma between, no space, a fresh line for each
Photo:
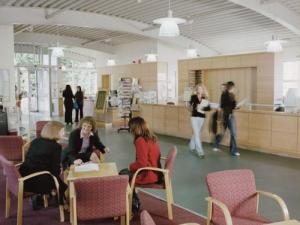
266,131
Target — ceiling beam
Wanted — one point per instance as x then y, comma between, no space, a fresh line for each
19,15
274,10
27,27
50,40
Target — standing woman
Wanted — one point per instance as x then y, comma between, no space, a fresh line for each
79,102
44,155
68,102
199,104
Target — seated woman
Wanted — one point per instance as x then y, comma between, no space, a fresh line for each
84,143
44,155
147,151
147,155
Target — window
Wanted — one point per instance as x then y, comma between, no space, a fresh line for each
291,75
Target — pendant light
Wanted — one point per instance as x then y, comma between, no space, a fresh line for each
191,52
151,57
169,25
275,45
111,62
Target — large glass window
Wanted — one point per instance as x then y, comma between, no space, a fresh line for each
291,75
77,73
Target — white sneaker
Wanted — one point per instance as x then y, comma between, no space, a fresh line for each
236,154
216,149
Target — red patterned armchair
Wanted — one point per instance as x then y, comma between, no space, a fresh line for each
234,199
167,184
39,125
15,186
11,148
99,197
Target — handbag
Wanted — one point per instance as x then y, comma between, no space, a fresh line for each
75,105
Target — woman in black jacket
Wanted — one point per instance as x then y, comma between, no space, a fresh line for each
68,103
84,144
79,102
44,155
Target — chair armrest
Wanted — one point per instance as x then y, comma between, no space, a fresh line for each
279,200
146,168
18,164
223,208
35,175
25,148
163,158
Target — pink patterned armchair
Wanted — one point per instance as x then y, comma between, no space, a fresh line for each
11,148
146,219
167,185
99,197
15,186
234,199
39,125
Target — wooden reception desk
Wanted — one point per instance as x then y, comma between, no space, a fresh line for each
266,131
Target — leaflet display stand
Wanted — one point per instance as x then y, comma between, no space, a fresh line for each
125,95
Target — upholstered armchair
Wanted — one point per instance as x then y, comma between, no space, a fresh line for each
11,148
15,186
99,197
234,199
39,125
166,185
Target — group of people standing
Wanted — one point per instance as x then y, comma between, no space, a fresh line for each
224,116
71,102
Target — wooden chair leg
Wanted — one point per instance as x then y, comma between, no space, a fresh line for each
169,198
61,213
7,202
20,203
45,198
71,210
74,212
130,204
209,213
127,216
171,192
122,220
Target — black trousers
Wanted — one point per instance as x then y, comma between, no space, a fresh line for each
42,184
79,110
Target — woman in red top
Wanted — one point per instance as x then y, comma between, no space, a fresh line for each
147,151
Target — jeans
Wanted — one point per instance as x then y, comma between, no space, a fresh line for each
232,129
195,142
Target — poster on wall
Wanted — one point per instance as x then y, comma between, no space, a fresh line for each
4,84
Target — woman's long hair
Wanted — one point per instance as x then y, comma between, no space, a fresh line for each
68,89
138,127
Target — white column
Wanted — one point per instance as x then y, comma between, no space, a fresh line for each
7,60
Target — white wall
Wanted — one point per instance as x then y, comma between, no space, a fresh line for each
288,54
126,53
7,58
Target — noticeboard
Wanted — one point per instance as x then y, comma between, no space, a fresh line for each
100,103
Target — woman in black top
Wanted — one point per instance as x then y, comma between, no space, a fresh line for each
79,101
44,155
84,144
68,102
199,105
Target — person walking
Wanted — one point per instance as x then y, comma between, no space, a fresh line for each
79,103
199,104
68,103
228,104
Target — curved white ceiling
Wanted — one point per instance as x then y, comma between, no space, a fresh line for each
219,26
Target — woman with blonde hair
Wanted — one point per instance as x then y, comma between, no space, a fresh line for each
198,104
44,155
84,144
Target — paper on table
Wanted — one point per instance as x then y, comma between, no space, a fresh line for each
87,167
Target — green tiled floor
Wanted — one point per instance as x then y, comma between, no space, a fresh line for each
273,173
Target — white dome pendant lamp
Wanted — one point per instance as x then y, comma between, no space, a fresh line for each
275,45
169,25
